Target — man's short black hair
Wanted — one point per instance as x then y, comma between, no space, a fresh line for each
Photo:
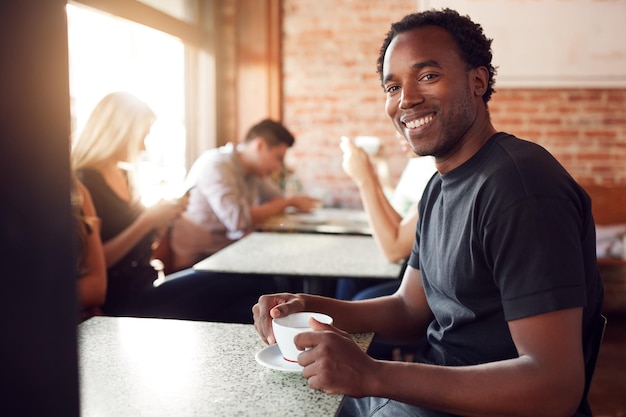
273,132
474,46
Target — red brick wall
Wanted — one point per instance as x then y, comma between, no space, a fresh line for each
584,129
331,89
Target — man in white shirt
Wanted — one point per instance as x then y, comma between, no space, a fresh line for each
233,191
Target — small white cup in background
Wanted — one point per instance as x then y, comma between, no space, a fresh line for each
370,144
286,328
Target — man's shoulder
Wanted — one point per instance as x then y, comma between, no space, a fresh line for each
224,155
519,148
224,152
526,168
524,157
211,165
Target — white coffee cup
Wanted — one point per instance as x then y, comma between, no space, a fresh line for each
286,328
370,144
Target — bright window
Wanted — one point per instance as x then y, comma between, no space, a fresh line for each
181,9
110,54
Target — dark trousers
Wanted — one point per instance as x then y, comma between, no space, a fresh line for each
197,295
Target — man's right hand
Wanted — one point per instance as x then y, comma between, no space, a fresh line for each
304,203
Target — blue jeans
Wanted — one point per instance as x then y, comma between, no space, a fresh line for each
381,407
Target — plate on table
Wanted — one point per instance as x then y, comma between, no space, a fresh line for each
270,357
308,218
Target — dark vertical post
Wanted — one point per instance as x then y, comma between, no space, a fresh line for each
38,355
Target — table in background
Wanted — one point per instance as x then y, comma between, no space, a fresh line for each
311,257
322,220
157,367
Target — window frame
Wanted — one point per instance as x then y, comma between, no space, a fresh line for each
218,105
200,71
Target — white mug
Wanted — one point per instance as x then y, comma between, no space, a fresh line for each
370,144
286,328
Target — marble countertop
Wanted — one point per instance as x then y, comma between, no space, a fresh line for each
304,255
158,367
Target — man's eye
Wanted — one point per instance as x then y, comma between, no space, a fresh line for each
428,77
391,89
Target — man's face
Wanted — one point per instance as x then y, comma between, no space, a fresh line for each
429,94
270,158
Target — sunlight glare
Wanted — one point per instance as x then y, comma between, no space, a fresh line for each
110,54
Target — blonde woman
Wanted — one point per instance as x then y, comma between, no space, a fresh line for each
103,157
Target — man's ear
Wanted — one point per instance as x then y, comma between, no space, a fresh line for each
479,80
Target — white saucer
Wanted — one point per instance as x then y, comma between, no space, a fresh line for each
270,357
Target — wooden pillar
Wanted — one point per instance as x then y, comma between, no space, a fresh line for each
258,56
38,308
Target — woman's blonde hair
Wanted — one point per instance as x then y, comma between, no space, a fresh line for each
114,131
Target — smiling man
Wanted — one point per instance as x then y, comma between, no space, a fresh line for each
502,288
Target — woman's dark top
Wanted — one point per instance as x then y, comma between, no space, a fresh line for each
132,274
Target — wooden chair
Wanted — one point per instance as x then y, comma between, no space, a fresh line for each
162,251
608,203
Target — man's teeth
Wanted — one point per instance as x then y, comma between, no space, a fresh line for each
419,122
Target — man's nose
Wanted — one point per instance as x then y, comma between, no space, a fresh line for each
410,96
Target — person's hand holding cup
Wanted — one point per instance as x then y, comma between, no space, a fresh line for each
370,144
286,328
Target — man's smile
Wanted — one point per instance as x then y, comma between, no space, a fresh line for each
418,122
